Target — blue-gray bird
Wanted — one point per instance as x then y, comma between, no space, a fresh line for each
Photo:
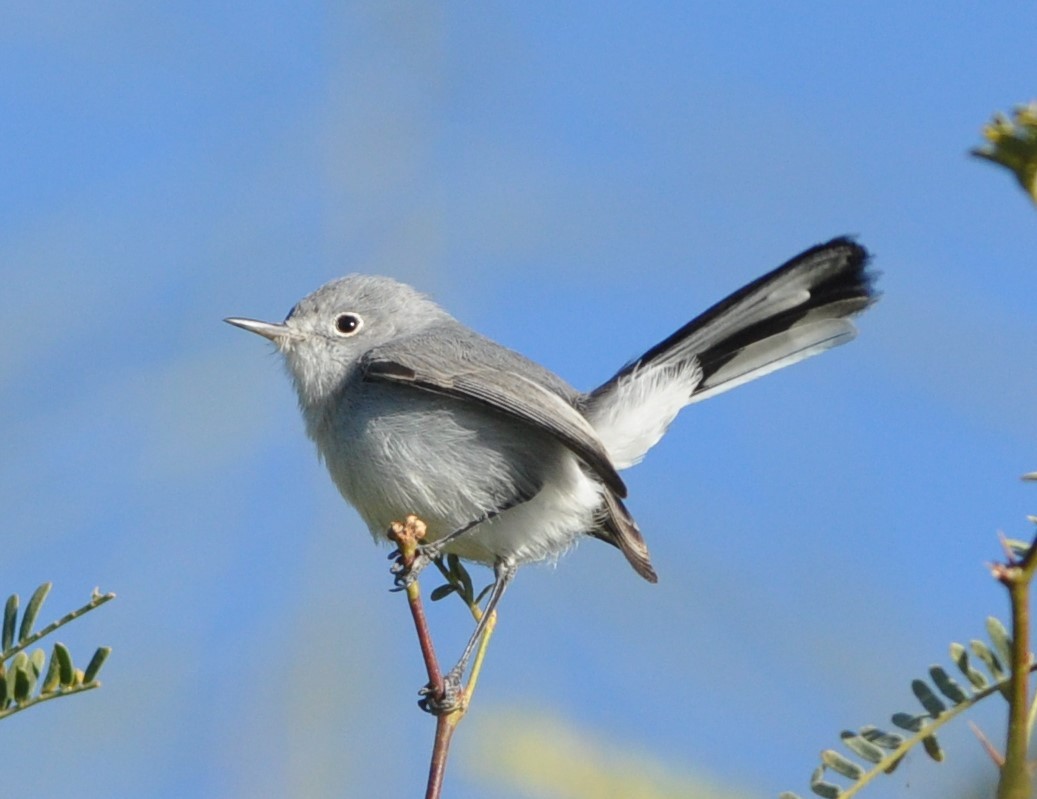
505,462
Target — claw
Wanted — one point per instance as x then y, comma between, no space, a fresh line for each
405,574
451,700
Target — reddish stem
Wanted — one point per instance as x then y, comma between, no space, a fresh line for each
445,726
428,652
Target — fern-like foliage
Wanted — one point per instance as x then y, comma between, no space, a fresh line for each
943,698
28,677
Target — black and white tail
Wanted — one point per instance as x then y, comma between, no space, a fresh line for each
802,308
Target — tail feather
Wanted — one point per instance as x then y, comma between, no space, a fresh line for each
793,312
827,281
733,367
617,527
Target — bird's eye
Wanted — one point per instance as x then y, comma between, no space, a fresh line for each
348,323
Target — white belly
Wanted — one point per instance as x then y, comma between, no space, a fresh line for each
422,455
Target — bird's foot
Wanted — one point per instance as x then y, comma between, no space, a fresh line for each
410,555
452,698
405,570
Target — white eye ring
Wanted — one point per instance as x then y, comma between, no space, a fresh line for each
348,324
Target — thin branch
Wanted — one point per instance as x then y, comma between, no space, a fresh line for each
894,756
1016,781
995,756
407,537
96,601
428,652
67,691
445,726
480,653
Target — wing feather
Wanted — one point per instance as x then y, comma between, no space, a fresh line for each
482,376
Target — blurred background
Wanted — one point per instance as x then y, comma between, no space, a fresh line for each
575,180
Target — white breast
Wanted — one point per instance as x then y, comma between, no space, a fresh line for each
397,451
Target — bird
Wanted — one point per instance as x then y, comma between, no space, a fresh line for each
414,413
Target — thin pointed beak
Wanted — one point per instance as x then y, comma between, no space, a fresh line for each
276,332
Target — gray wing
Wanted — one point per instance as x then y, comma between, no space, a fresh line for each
462,365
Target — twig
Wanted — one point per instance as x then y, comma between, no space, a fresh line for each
465,591
480,653
445,726
407,536
96,600
72,689
1016,782
992,753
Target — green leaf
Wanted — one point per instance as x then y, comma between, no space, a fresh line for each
842,765
37,660
1000,639
32,610
788,795
861,747
982,651
466,581
53,678
22,686
12,672
887,740
948,687
1018,548
64,658
10,620
442,591
930,701
908,722
94,666
24,680
932,748
826,790
458,575
961,659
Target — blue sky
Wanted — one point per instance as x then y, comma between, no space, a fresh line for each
575,180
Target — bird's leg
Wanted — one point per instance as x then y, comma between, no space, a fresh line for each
503,571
